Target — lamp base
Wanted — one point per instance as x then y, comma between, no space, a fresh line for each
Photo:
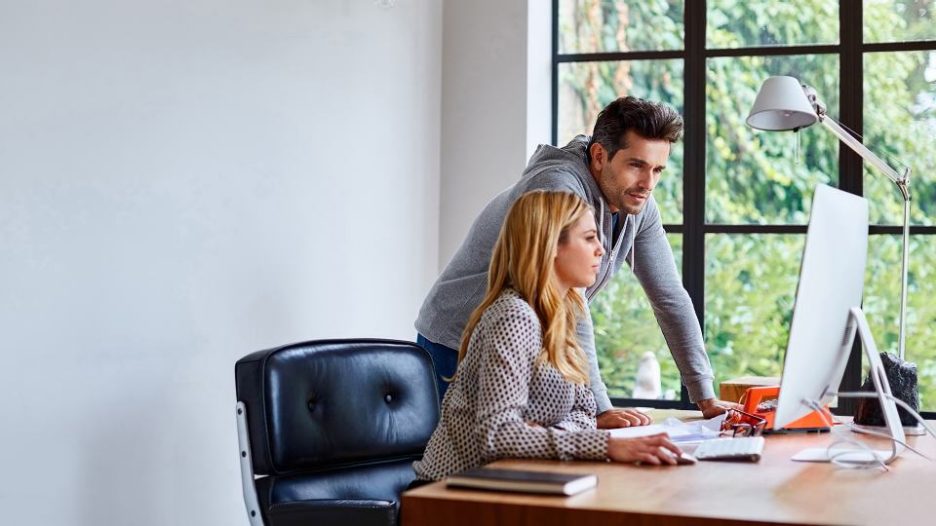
902,377
911,431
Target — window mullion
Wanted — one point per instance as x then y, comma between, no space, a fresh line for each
851,93
694,161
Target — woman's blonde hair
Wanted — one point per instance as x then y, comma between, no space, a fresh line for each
523,260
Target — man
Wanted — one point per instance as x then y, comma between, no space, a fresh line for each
615,171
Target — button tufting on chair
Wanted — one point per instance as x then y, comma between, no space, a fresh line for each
349,464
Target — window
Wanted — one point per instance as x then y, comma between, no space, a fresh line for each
737,217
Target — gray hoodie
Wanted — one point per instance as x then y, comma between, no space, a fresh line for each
641,241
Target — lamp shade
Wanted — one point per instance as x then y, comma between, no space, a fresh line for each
781,104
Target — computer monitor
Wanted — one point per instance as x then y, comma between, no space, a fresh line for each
830,284
827,313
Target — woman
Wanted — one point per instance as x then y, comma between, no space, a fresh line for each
521,387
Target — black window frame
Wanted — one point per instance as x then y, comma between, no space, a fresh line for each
850,50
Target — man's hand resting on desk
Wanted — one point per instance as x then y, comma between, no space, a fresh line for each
712,407
622,417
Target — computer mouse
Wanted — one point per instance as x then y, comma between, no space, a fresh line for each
685,459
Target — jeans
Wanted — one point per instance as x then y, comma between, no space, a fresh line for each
444,359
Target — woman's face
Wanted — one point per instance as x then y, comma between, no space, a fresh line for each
579,255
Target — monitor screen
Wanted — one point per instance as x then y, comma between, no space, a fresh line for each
830,284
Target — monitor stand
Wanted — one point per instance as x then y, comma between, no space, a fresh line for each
858,323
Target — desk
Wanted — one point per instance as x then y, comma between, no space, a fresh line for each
775,490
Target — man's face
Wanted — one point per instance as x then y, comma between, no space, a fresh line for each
627,180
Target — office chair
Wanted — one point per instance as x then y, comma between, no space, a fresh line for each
328,430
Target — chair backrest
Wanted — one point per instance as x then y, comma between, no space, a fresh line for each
324,403
346,411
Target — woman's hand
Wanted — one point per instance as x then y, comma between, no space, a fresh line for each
655,450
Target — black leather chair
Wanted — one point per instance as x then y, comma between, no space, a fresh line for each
329,430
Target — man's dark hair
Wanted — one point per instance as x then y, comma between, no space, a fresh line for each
650,120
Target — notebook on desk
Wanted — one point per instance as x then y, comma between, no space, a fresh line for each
522,481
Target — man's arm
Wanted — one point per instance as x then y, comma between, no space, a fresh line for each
656,271
609,417
585,334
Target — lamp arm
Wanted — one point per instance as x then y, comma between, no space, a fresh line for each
903,184
866,154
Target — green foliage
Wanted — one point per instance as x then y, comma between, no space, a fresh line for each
761,177
596,26
751,23
882,303
625,329
764,178
899,20
750,285
900,126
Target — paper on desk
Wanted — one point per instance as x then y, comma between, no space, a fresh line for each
677,430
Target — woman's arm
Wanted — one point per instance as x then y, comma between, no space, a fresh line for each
582,415
510,345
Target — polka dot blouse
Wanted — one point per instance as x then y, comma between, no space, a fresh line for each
503,404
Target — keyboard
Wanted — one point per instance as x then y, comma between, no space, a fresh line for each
743,448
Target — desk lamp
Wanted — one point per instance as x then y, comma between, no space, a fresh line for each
784,104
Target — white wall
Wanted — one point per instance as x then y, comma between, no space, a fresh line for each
181,183
495,104
538,74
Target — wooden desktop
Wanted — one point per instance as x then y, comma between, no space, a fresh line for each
775,490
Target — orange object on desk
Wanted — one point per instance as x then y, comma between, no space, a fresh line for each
762,401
